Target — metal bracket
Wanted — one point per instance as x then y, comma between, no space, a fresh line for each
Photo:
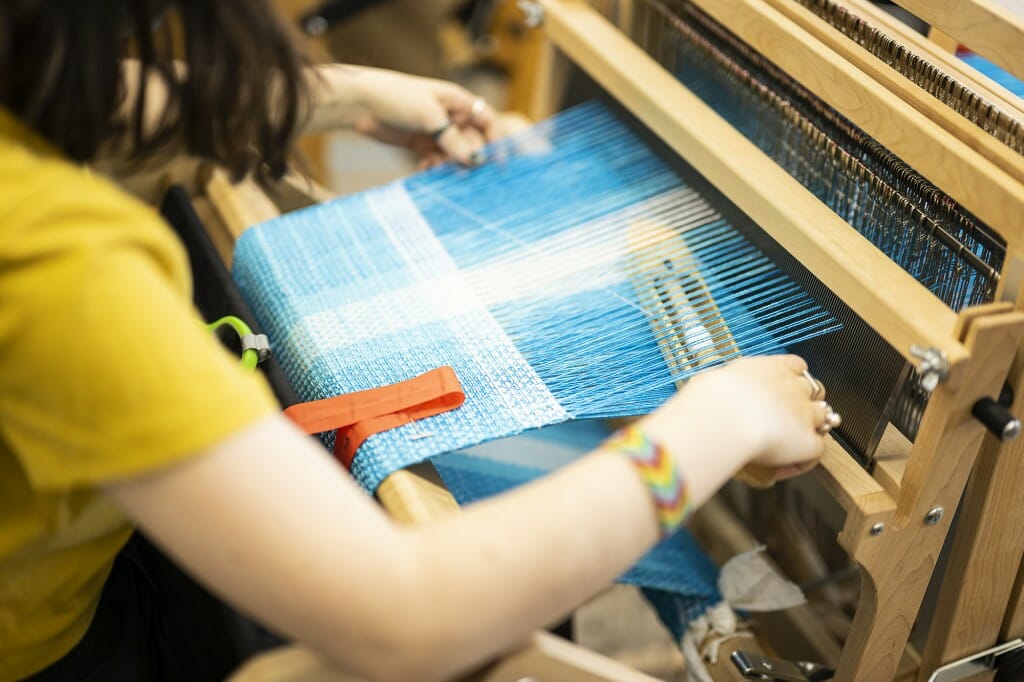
758,667
984,661
934,366
259,343
533,12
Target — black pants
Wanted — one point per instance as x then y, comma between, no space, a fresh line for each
153,624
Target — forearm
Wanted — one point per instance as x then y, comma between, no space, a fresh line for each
340,96
535,554
489,576
336,98
274,526
336,101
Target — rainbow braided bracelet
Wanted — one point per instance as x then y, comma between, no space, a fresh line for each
658,470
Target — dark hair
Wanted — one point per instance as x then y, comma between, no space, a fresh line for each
239,101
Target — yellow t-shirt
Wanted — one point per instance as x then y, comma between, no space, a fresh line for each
105,373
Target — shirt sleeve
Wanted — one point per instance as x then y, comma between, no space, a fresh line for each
107,369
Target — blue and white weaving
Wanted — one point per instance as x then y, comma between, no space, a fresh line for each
531,276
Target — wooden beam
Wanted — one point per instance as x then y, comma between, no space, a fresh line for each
951,164
991,30
886,297
992,149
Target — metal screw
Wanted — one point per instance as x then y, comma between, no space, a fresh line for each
533,12
766,664
1011,430
877,529
934,516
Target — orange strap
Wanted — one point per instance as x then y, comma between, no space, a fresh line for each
357,416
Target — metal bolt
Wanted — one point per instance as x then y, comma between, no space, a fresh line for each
877,529
316,26
1011,430
933,368
934,516
533,12
766,664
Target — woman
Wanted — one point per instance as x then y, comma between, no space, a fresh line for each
119,411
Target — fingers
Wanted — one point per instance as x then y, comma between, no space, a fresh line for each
449,118
466,109
385,133
819,414
430,160
464,145
452,143
794,470
429,126
793,362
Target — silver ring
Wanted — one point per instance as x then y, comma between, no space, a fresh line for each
817,388
479,104
833,418
832,421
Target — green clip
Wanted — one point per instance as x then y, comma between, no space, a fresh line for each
255,347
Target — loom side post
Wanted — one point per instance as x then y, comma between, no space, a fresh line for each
986,554
1013,622
897,564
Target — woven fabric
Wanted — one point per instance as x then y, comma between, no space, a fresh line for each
356,298
537,276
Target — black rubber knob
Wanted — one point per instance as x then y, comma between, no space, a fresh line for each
996,419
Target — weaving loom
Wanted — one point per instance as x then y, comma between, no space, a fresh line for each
540,287
870,190
784,62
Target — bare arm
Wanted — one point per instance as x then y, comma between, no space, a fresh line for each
391,107
268,521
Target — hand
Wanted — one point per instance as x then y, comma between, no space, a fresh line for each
436,119
756,410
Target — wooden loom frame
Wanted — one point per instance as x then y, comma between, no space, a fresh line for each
980,343
985,178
